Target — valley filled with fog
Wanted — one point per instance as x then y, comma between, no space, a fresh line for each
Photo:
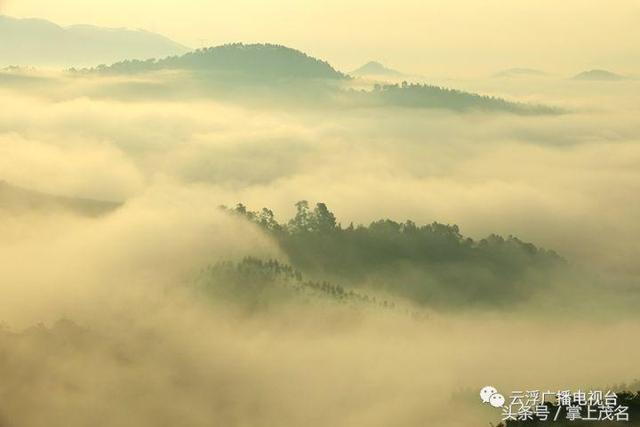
447,240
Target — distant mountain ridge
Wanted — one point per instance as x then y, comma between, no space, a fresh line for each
374,68
599,75
38,42
519,72
17,199
263,61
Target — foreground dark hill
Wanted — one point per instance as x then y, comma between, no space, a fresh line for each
254,61
431,264
16,199
42,43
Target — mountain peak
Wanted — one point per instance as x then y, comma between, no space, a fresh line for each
260,61
599,75
374,68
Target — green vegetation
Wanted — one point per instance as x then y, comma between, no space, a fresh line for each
413,95
258,285
263,62
430,264
281,74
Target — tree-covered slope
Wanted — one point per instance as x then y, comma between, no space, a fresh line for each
257,285
413,95
430,264
259,61
275,73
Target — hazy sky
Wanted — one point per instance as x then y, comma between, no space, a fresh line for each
433,37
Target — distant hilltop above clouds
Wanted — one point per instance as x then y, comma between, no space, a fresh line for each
599,75
376,69
37,42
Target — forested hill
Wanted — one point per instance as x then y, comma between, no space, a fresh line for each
264,61
430,264
285,74
414,95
